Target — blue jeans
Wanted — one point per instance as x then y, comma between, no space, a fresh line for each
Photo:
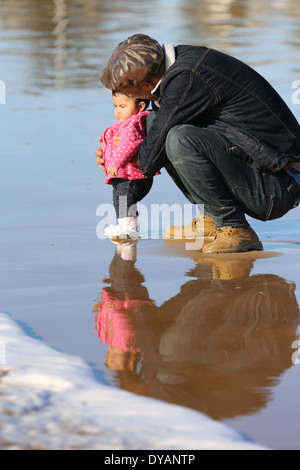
126,194
209,171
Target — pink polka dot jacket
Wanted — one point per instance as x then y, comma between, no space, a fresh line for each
131,133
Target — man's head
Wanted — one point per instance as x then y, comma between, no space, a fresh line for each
135,67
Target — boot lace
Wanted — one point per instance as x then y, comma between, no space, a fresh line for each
218,231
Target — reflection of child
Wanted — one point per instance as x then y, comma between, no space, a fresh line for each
116,313
116,328
121,143
116,322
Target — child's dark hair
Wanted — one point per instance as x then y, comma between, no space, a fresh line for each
138,100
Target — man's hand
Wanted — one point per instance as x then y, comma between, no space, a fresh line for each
297,165
135,160
288,167
99,155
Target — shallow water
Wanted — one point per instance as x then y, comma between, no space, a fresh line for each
213,335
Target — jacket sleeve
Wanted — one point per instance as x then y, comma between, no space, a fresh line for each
185,100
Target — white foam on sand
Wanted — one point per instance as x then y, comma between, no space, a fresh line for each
50,400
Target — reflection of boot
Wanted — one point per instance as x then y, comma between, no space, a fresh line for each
233,240
231,269
228,268
127,228
199,227
127,250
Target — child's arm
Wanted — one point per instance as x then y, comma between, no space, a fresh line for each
105,139
111,170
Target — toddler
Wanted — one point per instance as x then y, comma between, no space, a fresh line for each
121,143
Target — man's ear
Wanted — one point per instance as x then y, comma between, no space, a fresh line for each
147,86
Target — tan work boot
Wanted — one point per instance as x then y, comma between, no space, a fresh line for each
199,227
233,240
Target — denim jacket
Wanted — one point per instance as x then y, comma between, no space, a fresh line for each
210,89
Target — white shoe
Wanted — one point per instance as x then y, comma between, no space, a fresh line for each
127,228
112,231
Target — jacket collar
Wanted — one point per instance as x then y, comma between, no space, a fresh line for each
170,58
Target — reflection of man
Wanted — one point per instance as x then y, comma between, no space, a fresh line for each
223,133
222,341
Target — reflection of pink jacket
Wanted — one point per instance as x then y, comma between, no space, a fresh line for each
115,323
132,132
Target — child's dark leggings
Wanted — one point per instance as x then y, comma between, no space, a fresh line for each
126,194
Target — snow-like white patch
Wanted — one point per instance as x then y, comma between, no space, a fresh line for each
50,400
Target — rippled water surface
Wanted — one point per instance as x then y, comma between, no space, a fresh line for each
214,335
